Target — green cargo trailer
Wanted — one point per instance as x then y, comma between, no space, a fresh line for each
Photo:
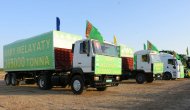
38,53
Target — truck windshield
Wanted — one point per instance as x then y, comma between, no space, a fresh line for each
155,58
104,49
175,62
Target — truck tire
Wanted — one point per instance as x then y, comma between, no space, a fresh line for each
167,76
7,79
14,81
140,78
44,82
77,84
149,78
101,88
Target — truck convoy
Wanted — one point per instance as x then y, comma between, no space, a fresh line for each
59,59
173,67
143,65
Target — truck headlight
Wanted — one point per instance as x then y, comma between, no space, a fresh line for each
117,78
96,78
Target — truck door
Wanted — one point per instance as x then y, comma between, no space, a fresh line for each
83,56
143,63
172,68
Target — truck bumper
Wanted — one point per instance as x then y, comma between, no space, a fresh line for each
106,81
157,76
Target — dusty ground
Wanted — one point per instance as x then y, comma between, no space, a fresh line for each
160,95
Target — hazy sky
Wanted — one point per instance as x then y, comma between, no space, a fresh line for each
166,23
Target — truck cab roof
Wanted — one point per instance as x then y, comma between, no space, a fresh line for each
145,52
166,55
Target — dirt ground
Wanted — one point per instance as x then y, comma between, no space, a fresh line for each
159,95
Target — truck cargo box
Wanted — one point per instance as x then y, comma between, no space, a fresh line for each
127,64
126,55
48,51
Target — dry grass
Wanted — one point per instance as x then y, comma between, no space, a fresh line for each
128,95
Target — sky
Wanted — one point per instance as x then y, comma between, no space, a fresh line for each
165,23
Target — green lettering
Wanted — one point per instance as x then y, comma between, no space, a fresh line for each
48,43
38,46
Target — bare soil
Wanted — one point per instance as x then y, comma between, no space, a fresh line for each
159,95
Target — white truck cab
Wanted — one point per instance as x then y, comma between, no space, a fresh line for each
147,64
172,66
97,63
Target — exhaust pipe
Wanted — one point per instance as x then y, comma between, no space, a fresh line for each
57,24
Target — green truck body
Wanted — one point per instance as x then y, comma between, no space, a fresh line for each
125,51
102,65
36,53
158,67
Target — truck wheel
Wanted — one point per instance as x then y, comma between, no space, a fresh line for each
44,82
7,79
14,81
77,85
149,79
167,76
101,88
140,78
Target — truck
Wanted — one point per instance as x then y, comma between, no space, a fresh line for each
143,65
173,67
147,66
179,60
62,59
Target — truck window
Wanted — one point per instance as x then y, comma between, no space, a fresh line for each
144,58
84,47
171,61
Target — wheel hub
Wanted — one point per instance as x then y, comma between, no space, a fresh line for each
140,78
77,85
12,80
42,83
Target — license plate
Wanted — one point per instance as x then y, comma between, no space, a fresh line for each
108,80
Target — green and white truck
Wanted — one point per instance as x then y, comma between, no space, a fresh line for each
59,59
173,67
143,65
180,59
147,66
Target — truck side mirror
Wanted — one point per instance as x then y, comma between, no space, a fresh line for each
73,46
148,59
174,67
88,48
